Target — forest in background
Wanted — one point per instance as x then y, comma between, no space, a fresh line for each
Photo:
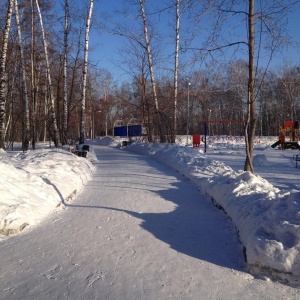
218,90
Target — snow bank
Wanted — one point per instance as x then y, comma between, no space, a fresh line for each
267,219
34,183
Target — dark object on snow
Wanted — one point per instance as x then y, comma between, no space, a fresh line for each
291,145
296,157
287,145
125,143
85,148
81,151
275,144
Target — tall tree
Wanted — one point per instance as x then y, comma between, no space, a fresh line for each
25,110
265,31
33,77
65,74
51,94
151,70
251,120
176,70
85,69
3,73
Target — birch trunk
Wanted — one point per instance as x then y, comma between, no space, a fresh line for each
150,64
3,74
25,108
52,111
176,71
85,69
148,49
251,114
65,75
33,78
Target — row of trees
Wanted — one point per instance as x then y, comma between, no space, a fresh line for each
215,94
41,74
49,91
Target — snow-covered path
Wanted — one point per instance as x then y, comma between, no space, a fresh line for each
139,230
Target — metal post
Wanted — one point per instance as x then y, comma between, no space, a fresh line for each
209,119
106,125
188,111
93,126
205,133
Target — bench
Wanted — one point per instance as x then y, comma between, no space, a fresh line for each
125,143
81,151
296,157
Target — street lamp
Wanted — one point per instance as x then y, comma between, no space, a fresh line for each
188,111
209,121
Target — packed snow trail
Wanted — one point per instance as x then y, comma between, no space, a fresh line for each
139,230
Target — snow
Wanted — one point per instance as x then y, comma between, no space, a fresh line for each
34,183
267,218
264,208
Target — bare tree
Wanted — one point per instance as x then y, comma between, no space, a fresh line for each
148,49
33,77
269,20
52,111
85,69
176,69
150,64
3,74
25,110
251,113
65,74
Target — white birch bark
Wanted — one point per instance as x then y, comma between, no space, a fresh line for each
148,49
152,77
33,78
177,36
55,130
3,74
25,106
85,70
65,75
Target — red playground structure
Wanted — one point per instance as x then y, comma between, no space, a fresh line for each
288,136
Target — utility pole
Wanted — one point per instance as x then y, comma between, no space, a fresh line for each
188,112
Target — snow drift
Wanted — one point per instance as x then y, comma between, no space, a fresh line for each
267,219
34,183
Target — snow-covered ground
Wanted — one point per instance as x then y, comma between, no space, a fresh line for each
264,208
34,183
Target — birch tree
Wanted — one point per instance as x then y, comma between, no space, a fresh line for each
85,70
173,137
33,81
151,71
65,74
148,49
51,96
25,106
3,73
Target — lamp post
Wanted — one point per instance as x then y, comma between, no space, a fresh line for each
209,116
188,111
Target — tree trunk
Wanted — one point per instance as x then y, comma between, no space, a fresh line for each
85,69
150,63
174,131
25,107
65,76
52,111
3,74
251,120
33,81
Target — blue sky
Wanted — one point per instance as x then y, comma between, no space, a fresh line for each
105,48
